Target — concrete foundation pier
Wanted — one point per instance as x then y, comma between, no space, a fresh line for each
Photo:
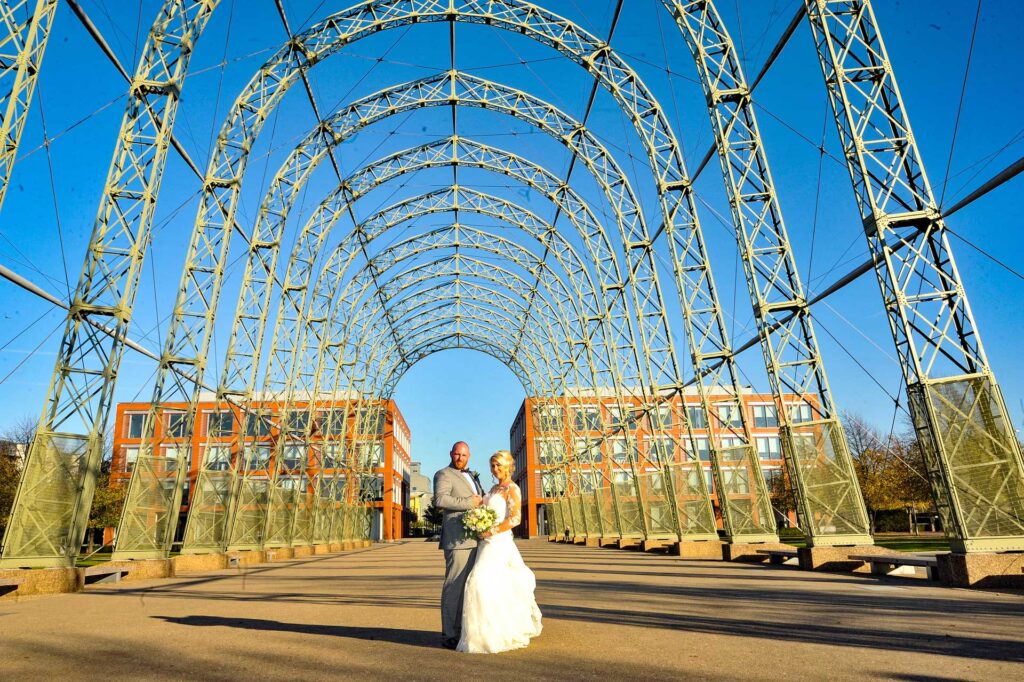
628,543
984,569
747,551
608,542
691,549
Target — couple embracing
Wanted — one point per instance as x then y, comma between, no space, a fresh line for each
487,602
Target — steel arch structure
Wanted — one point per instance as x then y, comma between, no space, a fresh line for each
974,461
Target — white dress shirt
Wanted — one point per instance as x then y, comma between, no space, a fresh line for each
472,483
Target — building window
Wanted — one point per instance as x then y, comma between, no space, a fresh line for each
257,424
549,418
292,457
709,480
372,487
220,424
703,453
588,419
550,451
131,456
588,451
332,455
695,415
623,482
296,421
256,456
333,422
620,451
370,455
661,417
172,454
729,415
728,453
372,420
800,412
768,447
136,422
175,424
661,449
621,418
765,417
586,484
217,457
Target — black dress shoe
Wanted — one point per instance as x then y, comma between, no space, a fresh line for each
449,643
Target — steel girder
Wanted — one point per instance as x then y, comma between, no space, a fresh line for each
829,503
22,44
973,456
56,488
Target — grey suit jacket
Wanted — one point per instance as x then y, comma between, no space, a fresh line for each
453,494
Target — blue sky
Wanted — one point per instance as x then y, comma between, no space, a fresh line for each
46,220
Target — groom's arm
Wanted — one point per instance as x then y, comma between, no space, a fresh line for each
443,497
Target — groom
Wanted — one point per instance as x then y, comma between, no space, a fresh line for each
456,489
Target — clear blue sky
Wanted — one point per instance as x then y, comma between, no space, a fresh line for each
459,394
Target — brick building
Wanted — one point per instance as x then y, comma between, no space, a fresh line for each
536,439
221,436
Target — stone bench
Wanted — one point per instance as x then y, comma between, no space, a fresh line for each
892,564
10,584
780,556
104,574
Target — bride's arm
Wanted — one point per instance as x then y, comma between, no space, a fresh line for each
514,500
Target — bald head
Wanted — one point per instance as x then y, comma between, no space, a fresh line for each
460,455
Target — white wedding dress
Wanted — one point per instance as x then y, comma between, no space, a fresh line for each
499,611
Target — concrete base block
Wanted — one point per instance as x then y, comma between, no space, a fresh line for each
690,549
649,545
984,569
837,559
321,549
608,542
279,553
347,546
246,558
143,569
334,547
198,563
302,551
592,542
579,540
42,581
747,551
366,543
628,543
552,538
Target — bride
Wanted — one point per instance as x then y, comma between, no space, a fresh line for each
499,611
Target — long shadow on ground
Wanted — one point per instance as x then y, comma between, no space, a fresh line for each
421,638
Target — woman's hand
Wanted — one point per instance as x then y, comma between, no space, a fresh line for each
486,534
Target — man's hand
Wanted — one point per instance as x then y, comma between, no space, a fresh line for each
477,500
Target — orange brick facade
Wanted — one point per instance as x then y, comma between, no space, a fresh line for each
221,436
528,438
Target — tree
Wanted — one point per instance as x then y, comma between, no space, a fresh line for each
890,470
14,443
433,515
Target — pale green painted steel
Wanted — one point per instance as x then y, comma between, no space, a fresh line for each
830,506
973,455
22,45
55,492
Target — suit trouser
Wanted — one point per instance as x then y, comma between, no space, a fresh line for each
457,565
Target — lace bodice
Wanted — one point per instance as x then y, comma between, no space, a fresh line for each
507,502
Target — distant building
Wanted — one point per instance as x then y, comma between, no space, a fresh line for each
221,436
420,492
538,432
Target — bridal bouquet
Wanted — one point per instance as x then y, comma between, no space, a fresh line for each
479,520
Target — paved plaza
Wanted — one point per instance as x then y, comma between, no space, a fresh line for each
609,614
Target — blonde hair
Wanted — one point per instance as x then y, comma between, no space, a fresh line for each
504,457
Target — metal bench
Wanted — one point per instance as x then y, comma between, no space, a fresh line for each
104,574
10,584
780,556
892,564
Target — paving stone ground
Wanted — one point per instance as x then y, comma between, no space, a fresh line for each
609,614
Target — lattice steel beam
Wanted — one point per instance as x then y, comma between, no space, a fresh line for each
973,456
